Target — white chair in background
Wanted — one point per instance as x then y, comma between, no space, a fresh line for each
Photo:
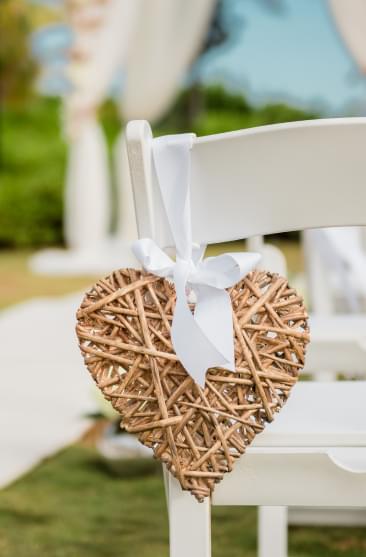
335,262
335,267
272,256
255,182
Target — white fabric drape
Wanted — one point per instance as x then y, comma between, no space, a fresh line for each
102,51
98,54
153,42
350,17
87,205
168,36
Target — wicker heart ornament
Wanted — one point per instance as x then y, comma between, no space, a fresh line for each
124,334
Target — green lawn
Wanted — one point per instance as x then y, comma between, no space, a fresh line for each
18,283
71,506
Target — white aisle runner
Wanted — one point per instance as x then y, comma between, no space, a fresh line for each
45,391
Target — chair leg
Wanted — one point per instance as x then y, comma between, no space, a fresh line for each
189,522
272,531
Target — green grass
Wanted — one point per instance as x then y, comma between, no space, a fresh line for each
72,506
19,284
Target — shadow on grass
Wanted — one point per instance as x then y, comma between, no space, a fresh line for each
25,518
123,469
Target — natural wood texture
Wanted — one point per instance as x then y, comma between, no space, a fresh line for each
124,334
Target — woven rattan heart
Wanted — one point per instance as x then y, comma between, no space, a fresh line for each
124,333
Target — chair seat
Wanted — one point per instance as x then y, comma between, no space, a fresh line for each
338,343
319,414
313,454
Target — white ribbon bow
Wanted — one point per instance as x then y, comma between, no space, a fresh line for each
202,339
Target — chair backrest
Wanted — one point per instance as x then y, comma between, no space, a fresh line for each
261,180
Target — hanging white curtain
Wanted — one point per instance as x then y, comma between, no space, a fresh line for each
168,36
100,48
86,219
153,41
350,17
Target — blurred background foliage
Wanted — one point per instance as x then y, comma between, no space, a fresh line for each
33,152
17,69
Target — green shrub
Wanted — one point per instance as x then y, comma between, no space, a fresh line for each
32,161
17,68
212,109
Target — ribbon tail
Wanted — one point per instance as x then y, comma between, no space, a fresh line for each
195,349
214,316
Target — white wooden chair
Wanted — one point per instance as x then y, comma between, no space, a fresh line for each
254,182
335,257
327,257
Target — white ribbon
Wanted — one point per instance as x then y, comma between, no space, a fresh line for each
202,339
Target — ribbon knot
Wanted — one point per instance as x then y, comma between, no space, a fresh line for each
203,338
